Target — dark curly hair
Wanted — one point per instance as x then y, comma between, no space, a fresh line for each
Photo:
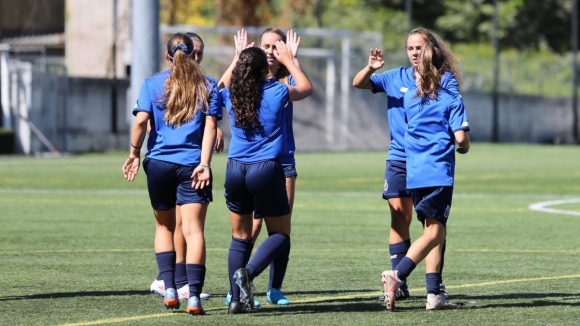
246,89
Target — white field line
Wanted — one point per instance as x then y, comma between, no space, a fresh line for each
543,206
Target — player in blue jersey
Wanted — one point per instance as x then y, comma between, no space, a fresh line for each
395,83
255,181
183,106
437,120
158,286
276,71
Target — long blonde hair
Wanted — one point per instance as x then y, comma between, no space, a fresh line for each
429,71
450,62
186,88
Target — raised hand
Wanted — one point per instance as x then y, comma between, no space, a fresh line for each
283,53
293,41
376,60
241,41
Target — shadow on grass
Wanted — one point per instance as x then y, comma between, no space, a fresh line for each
532,300
365,304
73,295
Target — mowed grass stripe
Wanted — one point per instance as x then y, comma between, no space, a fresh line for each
326,298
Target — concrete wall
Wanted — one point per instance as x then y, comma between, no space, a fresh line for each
90,36
81,122
87,118
522,119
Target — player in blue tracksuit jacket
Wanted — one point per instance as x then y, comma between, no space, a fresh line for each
255,181
182,106
436,121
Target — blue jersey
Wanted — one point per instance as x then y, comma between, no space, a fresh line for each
395,83
252,145
287,158
179,145
430,140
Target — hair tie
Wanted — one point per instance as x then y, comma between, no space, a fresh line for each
181,46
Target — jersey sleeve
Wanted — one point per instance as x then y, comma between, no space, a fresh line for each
144,102
449,82
380,82
215,100
457,115
291,81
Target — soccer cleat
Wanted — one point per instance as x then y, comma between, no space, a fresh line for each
229,299
402,294
443,291
184,293
275,296
242,279
391,283
204,296
157,287
437,302
194,306
235,307
170,299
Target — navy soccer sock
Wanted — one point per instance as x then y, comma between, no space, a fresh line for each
278,268
432,280
398,251
195,278
405,267
180,275
269,250
166,265
238,254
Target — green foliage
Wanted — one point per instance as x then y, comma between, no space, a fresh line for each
77,244
533,72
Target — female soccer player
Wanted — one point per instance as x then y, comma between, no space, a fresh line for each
158,286
255,181
436,121
395,83
276,72
183,106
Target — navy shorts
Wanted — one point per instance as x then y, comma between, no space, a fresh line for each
434,202
257,187
169,184
395,185
290,171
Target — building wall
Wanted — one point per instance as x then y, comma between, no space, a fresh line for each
31,17
90,37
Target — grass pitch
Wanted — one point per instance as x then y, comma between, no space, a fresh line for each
76,243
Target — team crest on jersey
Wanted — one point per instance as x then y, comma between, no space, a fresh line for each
403,89
385,186
446,214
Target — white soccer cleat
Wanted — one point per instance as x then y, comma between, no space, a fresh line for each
391,283
157,287
183,293
436,302
443,291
